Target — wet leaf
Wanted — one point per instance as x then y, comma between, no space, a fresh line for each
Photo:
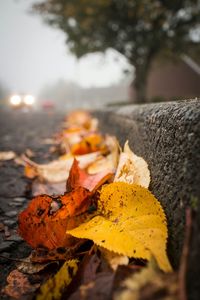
150,283
87,272
7,155
128,212
18,285
53,288
108,162
30,171
44,222
79,177
98,289
28,267
43,255
57,170
132,168
88,144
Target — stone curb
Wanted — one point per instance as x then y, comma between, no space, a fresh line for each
167,136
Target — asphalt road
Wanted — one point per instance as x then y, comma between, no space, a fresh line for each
19,131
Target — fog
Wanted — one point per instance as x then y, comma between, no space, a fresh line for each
32,54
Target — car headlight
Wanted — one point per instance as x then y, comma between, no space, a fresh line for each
15,100
29,100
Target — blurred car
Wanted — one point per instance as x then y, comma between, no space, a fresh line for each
22,102
48,105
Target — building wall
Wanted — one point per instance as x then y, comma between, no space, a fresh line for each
173,80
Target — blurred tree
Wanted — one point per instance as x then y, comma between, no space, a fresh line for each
138,29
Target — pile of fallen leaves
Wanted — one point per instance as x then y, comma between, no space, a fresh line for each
96,230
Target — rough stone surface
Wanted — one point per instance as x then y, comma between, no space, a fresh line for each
167,135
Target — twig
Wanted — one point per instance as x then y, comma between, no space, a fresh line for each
184,257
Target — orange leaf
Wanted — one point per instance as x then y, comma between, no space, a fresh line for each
30,171
79,177
90,143
79,118
44,222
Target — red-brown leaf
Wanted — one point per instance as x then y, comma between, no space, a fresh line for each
79,177
45,221
19,285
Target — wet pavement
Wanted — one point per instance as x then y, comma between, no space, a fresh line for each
18,132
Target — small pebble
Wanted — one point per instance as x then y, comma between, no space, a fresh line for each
19,199
10,222
11,213
15,204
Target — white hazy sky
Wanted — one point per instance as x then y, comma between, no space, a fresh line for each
32,54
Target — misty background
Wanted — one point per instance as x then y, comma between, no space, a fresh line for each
159,44
34,59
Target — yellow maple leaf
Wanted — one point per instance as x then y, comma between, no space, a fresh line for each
130,221
52,289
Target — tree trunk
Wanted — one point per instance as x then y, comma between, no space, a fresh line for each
140,84
142,67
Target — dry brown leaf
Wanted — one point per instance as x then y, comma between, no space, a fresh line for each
27,267
149,283
132,168
19,285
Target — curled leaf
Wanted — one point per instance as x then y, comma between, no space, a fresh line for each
130,222
132,168
45,221
57,170
108,162
79,177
